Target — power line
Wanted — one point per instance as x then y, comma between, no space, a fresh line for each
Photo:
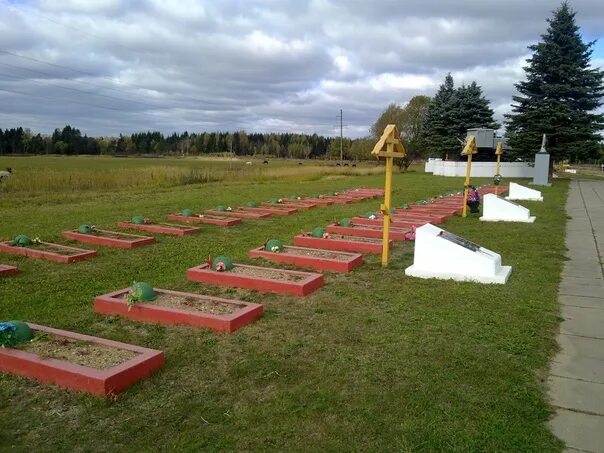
35,71
55,99
47,83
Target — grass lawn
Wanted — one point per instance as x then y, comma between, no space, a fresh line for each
373,361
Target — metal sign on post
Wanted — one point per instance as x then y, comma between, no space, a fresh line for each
468,150
497,177
389,147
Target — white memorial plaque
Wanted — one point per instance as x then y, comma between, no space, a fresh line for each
495,209
443,255
518,192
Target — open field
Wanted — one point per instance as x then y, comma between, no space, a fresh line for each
50,176
373,361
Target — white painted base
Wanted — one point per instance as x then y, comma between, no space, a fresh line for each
497,209
500,277
518,192
531,219
441,255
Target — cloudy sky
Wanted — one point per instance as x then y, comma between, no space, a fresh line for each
120,66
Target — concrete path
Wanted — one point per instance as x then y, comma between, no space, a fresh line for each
576,379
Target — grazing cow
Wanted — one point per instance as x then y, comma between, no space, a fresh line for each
265,162
354,165
346,164
338,165
248,163
300,163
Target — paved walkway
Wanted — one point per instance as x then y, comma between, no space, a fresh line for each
577,372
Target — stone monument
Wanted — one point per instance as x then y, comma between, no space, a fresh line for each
541,171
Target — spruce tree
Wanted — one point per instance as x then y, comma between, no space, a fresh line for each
559,96
470,109
437,136
451,113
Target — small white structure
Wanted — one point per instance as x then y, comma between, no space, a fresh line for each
518,192
440,167
495,209
443,255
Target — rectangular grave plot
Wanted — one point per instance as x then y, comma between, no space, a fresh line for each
380,223
109,238
432,217
436,209
161,228
99,381
180,308
286,204
344,244
368,231
319,201
301,202
49,251
6,270
205,218
240,214
319,259
339,200
263,279
275,210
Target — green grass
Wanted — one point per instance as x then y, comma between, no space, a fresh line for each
373,361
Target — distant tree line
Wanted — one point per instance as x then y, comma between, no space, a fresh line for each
70,141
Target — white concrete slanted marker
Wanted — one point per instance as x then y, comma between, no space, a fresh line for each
518,192
497,209
443,255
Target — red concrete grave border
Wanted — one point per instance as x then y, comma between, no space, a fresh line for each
423,217
271,210
339,244
112,304
368,231
309,284
338,200
137,240
301,202
102,382
209,219
6,270
239,214
286,204
160,228
31,252
319,201
430,209
353,260
380,222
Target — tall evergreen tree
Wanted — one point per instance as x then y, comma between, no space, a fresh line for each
470,109
437,138
559,96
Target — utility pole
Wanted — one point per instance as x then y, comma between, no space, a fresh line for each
341,139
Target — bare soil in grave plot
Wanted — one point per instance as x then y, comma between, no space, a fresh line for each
113,235
273,274
83,353
55,248
193,303
173,225
317,253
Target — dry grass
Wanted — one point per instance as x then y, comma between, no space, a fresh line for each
34,176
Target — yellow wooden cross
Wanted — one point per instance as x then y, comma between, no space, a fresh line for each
498,153
468,150
388,146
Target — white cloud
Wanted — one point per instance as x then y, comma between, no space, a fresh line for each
130,65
